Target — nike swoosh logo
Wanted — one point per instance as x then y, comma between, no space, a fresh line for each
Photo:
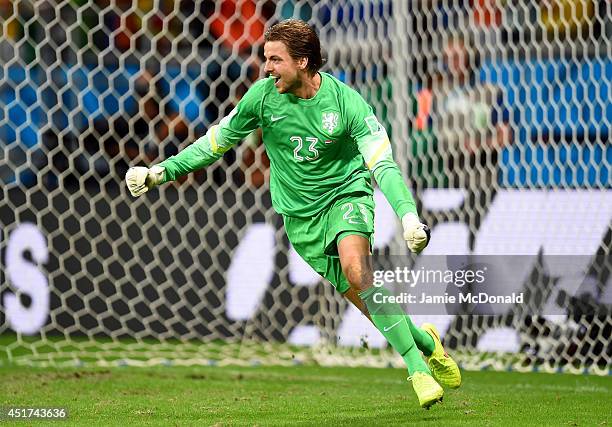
388,328
275,119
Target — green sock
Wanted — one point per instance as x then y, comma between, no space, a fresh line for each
391,321
423,340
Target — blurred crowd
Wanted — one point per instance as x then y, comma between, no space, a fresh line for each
185,64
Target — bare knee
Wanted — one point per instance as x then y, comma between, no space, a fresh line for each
354,251
358,273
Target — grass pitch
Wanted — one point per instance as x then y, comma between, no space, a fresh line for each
301,395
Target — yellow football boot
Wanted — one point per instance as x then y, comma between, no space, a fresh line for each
443,368
427,389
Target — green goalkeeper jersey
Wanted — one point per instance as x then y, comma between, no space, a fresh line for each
319,148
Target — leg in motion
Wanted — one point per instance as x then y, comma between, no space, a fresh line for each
389,319
427,339
423,340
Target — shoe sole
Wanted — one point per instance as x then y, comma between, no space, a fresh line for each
447,384
429,404
432,329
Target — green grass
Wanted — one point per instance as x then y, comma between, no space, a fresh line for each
302,395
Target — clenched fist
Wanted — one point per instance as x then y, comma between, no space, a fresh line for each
139,179
416,233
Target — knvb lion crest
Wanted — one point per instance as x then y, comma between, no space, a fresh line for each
330,121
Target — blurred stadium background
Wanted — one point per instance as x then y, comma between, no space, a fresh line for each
499,113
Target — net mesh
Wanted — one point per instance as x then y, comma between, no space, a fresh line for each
499,114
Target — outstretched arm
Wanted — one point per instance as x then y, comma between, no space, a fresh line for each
203,152
220,138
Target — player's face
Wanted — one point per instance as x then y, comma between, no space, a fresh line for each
279,64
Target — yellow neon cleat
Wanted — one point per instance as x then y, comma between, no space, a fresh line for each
443,368
427,389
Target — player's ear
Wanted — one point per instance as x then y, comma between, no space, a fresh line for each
302,63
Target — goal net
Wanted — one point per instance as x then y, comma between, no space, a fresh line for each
499,116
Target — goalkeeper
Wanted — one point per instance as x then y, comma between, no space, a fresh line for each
323,142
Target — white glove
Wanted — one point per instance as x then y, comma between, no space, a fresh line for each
139,179
416,233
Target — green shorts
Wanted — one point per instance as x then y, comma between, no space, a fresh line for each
316,239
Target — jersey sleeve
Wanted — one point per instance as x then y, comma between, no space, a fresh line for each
375,147
241,121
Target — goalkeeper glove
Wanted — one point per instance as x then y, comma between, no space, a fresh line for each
139,179
416,233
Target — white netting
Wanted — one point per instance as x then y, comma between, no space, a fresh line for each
500,117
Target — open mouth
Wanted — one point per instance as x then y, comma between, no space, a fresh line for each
276,80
